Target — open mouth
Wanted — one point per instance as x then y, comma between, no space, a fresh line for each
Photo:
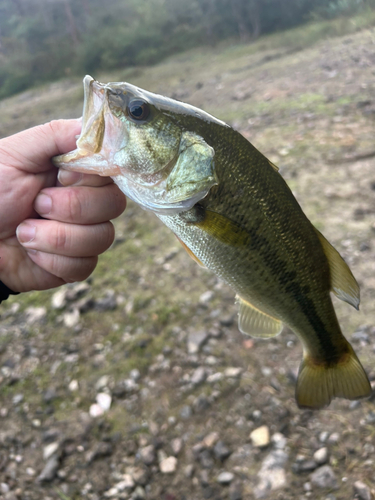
99,136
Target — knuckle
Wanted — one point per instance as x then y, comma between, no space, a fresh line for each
74,205
60,238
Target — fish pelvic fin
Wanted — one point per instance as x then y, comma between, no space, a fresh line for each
318,382
343,283
191,253
256,323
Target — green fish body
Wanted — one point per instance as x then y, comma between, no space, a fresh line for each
235,215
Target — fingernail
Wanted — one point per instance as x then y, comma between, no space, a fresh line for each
43,204
26,233
67,178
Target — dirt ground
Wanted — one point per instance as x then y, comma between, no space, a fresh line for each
137,384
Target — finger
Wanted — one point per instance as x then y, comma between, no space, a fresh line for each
68,178
69,269
32,149
81,205
71,240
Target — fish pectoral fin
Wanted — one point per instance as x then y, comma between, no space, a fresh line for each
343,283
318,383
190,253
222,229
256,323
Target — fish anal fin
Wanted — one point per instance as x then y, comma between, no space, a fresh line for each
318,383
343,283
190,253
223,229
256,323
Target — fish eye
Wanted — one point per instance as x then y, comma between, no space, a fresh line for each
139,110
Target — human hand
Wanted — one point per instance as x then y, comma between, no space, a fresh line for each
40,253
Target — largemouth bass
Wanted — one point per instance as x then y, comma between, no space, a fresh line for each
235,215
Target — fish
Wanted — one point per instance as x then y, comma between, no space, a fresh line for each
234,214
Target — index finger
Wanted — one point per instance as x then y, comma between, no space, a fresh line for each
32,149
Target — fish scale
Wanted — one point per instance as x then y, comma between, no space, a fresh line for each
234,214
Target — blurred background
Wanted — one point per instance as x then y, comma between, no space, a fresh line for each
43,40
137,384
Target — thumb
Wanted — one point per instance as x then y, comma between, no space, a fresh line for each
32,149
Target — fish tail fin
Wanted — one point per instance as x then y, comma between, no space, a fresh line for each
318,382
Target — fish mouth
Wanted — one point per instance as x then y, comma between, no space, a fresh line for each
102,134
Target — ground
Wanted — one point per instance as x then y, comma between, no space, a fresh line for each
158,335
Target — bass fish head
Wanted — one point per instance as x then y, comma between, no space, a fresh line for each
147,143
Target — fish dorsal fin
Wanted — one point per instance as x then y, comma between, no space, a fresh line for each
190,253
273,165
256,323
223,229
343,283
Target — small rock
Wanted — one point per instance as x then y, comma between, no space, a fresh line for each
168,465
139,493
107,303
199,376
76,290
102,382
177,444
17,399
272,474
127,483
206,459
233,372
186,412
135,374
104,400
221,451
334,438
361,491
278,440
324,477
189,470
225,477
323,436
103,449
49,450
50,470
49,395
204,478
235,491
96,411
227,320
71,318
195,341
147,454
35,315
210,439
4,488
206,297
140,475
215,377
321,456
260,437
304,465
58,300
201,403
73,386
